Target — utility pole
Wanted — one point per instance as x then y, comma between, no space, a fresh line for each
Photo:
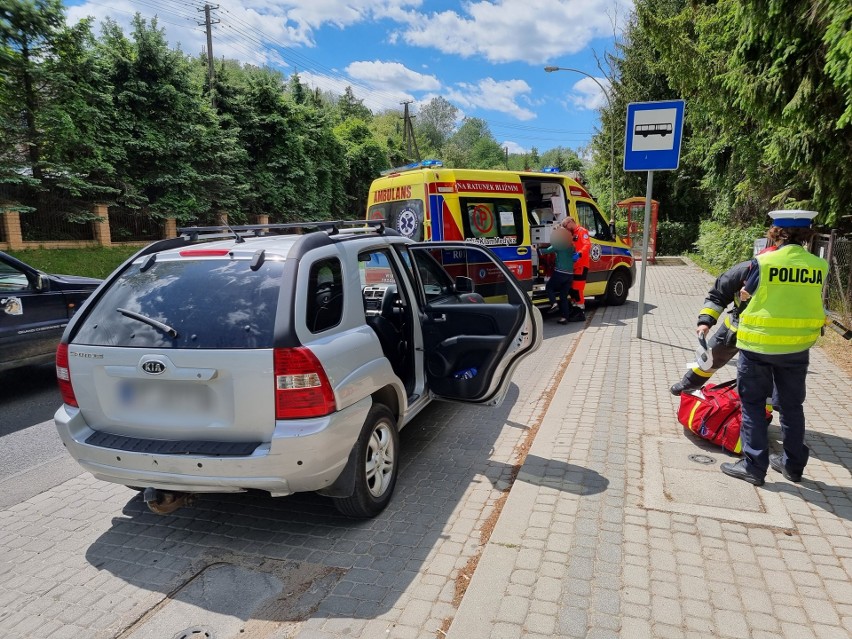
208,24
408,134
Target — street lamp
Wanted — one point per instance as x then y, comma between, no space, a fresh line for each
611,132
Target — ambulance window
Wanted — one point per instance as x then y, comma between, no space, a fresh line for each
492,221
593,221
405,216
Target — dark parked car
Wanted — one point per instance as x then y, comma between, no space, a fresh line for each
34,309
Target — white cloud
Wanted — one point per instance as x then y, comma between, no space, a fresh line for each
491,95
261,23
374,100
514,147
588,94
392,75
533,31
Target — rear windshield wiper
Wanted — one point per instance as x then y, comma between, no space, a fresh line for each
168,330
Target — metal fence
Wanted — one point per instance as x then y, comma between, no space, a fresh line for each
49,223
133,225
837,293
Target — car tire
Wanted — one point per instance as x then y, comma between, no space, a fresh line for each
376,468
617,288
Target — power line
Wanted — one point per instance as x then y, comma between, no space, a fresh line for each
267,44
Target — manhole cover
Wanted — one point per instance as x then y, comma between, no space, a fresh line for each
700,459
197,632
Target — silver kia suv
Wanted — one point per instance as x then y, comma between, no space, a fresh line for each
254,357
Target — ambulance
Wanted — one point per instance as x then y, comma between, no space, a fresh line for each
510,212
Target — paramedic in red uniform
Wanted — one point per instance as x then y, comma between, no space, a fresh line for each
783,319
583,248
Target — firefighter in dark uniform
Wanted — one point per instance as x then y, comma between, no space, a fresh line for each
722,346
784,318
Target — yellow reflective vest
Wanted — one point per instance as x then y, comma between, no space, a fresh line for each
785,313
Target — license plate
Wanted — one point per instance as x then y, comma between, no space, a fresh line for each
163,396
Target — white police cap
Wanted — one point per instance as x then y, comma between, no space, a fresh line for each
792,218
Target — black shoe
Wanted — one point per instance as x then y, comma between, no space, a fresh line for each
682,387
739,471
778,466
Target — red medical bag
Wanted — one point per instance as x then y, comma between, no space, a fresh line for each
714,413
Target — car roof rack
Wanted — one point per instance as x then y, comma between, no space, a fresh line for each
331,227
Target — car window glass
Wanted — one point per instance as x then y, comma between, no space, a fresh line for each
434,280
405,216
439,269
592,221
492,221
379,283
11,279
405,257
325,295
210,303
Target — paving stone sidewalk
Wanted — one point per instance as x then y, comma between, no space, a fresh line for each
610,531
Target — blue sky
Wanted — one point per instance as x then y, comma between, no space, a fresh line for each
485,57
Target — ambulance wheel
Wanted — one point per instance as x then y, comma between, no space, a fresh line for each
617,289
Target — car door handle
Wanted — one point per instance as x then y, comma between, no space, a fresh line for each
439,318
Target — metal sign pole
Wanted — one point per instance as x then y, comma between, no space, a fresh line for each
652,143
648,189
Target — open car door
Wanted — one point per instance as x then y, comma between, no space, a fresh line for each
477,321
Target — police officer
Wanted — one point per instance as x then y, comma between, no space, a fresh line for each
783,319
722,346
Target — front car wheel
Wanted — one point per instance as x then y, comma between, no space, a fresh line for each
617,288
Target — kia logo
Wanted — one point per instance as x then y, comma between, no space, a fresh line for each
153,368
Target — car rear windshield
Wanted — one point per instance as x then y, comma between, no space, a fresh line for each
187,304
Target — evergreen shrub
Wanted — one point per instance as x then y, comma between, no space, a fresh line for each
723,245
674,238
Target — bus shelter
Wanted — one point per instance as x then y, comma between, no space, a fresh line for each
634,208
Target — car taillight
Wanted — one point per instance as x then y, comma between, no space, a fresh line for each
63,376
302,388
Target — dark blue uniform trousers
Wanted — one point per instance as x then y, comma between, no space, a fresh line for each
756,375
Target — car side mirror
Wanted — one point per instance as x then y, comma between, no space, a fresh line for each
42,283
464,284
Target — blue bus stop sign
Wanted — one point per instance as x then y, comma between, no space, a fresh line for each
653,137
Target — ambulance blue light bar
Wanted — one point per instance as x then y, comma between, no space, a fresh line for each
550,169
414,165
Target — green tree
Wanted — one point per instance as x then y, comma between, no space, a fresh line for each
564,158
386,127
365,157
473,146
29,30
641,73
297,89
434,124
348,107
175,158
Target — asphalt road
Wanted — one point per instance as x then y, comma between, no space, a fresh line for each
28,396
32,458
